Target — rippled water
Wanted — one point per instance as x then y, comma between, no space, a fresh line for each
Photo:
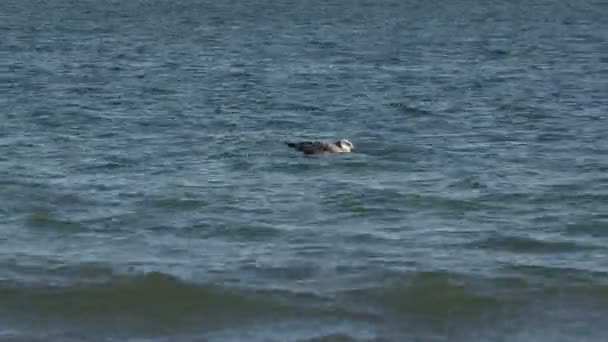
146,193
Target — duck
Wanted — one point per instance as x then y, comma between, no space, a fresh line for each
322,147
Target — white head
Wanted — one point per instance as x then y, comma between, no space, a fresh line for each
345,145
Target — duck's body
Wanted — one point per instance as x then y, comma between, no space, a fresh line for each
322,147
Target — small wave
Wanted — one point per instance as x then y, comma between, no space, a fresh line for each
26,269
429,294
337,337
563,283
158,303
439,295
409,109
562,277
594,228
297,107
385,203
103,165
179,203
443,202
253,232
45,219
528,245
365,202
498,53
156,91
153,295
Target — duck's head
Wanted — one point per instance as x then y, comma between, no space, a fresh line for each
345,145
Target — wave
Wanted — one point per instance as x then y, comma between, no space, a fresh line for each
549,278
410,109
428,294
44,219
158,295
173,203
337,337
529,245
149,295
387,203
591,227
447,298
386,297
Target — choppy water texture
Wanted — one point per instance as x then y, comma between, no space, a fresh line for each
146,194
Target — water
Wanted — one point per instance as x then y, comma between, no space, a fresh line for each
146,193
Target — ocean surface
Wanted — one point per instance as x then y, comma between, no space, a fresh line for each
146,193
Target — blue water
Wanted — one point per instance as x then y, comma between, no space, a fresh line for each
146,193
